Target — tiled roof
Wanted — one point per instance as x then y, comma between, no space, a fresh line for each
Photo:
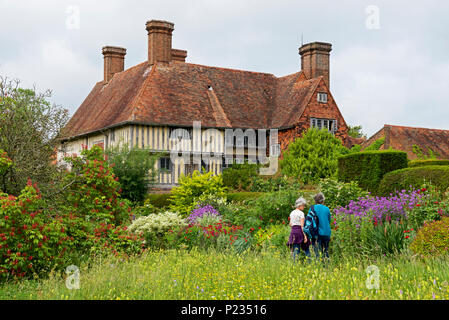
404,138
179,93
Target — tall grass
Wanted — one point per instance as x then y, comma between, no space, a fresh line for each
182,275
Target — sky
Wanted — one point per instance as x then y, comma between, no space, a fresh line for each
389,63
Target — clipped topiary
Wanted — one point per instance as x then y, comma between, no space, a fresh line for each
430,162
369,167
404,179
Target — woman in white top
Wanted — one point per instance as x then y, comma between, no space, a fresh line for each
298,240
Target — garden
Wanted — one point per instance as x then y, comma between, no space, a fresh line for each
218,236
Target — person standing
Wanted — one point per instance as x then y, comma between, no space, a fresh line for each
298,240
320,243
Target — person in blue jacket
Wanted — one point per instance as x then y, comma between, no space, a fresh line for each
324,226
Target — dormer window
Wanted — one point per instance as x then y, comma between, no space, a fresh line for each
322,97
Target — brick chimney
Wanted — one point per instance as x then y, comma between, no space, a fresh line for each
178,55
315,60
114,61
159,41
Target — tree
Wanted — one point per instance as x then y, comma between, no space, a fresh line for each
29,128
356,132
313,156
135,170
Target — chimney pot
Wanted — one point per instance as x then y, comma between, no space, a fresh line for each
178,55
315,60
114,61
159,41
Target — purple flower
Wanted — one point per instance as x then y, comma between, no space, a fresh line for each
201,211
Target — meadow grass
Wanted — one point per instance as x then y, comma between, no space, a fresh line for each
210,275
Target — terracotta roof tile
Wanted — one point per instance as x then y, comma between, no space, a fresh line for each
178,94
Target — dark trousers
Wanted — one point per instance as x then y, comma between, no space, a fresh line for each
321,244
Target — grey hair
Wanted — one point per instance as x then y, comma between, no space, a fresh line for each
300,202
319,198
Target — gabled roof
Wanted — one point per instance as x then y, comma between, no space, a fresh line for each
178,94
404,138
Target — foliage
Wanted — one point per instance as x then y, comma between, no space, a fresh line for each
424,155
375,145
185,196
220,235
240,197
223,275
31,242
415,177
313,156
432,239
135,169
203,213
368,167
339,194
274,183
93,191
394,207
356,235
29,128
275,236
155,227
428,208
240,177
5,163
429,162
158,200
116,240
356,132
272,207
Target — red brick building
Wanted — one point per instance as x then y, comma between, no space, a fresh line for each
411,139
142,105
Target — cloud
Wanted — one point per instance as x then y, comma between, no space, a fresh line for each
398,74
54,65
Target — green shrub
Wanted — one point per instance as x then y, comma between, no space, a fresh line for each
93,191
274,183
339,194
5,162
313,156
369,167
272,237
425,163
240,177
155,227
31,242
432,239
414,177
429,208
158,200
185,197
244,196
135,170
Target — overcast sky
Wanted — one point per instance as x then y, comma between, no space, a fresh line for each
389,64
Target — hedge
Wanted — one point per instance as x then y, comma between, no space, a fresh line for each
369,167
402,179
243,196
431,162
159,200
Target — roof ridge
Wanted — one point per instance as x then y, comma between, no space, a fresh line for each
231,69
407,127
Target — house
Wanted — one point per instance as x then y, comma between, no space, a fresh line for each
413,140
167,104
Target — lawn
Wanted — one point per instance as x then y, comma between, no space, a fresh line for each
183,275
